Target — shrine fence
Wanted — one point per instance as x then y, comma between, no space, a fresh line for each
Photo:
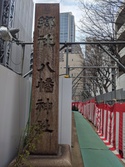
109,121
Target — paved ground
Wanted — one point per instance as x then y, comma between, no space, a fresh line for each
76,154
75,151
95,131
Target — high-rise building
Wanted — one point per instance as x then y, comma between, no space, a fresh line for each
1,9
6,19
16,14
75,60
23,20
120,36
67,27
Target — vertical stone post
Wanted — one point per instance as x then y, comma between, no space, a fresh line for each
45,83
45,76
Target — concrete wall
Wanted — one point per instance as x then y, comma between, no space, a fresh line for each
65,112
14,109
15,94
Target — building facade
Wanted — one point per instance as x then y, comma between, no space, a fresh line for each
17,14
73,52
120,35
75,62
1,9
6,19
67,27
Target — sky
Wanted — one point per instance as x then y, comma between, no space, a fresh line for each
68,6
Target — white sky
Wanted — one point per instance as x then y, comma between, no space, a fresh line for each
67,6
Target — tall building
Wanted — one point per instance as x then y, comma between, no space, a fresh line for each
67,27
75,60
1,7
120,35
23,20
6,19
1,42
16,14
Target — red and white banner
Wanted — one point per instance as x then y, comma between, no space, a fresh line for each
109,120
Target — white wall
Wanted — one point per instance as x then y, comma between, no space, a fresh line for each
65,112
14,109
120,82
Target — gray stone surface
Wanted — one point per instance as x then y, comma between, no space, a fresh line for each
62,159
46,77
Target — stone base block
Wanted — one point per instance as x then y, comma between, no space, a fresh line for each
63,159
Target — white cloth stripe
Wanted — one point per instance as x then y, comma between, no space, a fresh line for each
112,128
124,135
117,130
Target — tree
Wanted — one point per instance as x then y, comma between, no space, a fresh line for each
98,78
98,23
99,20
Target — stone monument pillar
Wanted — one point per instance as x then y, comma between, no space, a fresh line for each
45,76
45,90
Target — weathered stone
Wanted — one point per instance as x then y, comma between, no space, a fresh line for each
62,159
45,91
45,76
